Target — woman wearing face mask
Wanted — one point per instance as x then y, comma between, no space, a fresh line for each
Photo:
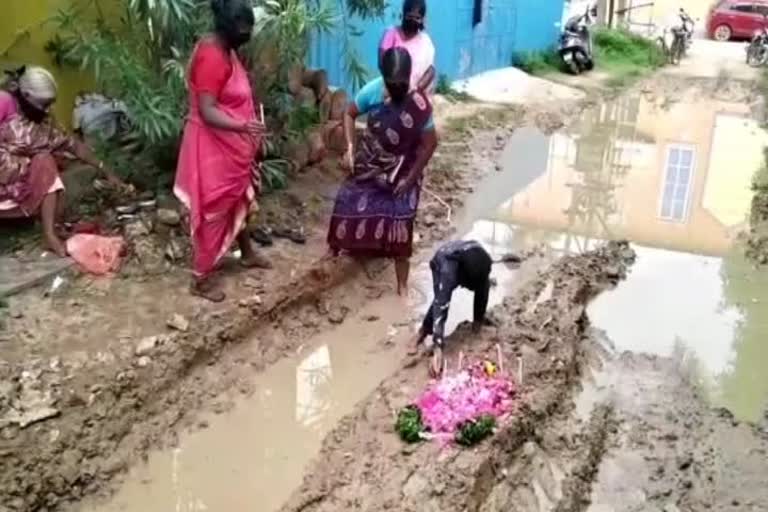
220,147
376,206
412,36
31,148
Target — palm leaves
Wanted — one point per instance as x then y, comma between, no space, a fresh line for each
141,57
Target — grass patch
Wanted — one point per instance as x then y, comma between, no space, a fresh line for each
538,63
623,53
444,89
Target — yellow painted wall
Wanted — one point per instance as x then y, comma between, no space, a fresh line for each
696,8
661,10
24,31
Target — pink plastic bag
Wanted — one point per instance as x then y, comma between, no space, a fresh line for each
96,254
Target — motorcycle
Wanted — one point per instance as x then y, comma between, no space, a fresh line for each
575,48
679,44
675,41
757,49
687,27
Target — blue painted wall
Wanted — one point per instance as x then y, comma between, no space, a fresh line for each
507,27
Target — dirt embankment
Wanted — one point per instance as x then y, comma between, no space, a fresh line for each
671,451
71,418
364,466
757,238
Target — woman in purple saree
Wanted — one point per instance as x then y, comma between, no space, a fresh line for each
376,206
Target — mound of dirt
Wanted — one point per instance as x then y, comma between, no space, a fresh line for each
364,466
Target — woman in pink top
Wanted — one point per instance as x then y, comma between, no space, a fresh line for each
411,36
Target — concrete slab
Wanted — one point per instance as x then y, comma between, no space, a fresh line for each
17,276
713,59
512,85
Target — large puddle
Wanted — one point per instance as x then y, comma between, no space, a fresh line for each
674,181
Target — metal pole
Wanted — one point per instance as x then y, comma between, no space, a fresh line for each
610,13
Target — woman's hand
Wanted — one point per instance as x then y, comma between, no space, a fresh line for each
437,365
348,163
427,80
404,185
254,128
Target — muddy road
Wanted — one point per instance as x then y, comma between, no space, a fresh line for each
643,387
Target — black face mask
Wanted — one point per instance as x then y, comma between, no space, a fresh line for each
398,91
412,27
30,111
238,39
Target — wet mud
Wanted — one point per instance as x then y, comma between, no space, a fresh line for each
364,466
78,409
115,372
671,450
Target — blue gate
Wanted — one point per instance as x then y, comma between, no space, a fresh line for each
506,28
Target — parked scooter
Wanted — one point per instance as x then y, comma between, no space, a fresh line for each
757,50
576,42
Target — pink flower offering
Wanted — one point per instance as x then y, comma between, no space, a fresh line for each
464,396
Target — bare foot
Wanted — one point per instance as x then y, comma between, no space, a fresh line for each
416,345
55,244
206,290
256,260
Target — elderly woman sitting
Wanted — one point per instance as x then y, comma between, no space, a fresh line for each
30,148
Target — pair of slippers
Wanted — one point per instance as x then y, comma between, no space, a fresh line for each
264,236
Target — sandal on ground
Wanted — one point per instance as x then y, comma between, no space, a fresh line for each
207,291
257,260
293,235
262,237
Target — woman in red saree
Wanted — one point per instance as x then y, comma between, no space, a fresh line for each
221,144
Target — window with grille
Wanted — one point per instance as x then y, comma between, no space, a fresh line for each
678,181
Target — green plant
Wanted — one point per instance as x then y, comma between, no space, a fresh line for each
409,424
140,58
617,49
538,63
444,88
472,432
366,8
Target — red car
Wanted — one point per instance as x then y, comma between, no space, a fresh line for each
736,19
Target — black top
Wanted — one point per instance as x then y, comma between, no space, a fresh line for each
459,263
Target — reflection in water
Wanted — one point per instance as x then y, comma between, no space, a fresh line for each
635,171
675,181
657,177
252,457
313,378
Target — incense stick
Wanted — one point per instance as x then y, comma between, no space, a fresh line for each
440,200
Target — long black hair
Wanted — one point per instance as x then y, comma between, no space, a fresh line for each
475,266
395,65
419,6
229,15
